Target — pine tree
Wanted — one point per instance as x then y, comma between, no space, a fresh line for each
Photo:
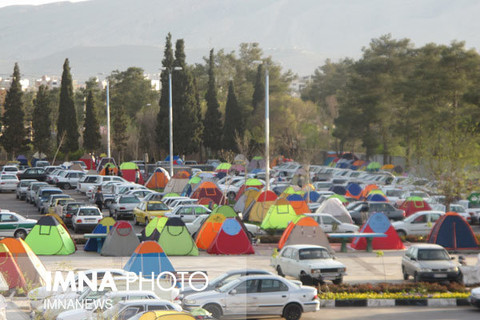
212,134
41,121
234,123
162,128
119,126
67,118
186,125
91,128
14,132
259,91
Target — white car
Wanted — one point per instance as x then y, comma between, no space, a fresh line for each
419,224
86,218
309,263
188,212
193,227
32,190
14,225
475,297
12,170
139,193
8,182
329,223
22,186
68,179
256,296
127,309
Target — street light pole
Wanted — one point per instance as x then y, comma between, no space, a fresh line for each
170,119
267,131
108,120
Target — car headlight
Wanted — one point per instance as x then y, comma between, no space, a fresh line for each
189,301
454,269
342,269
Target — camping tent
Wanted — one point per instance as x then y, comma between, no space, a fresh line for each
176,240
10,270
121,241
223,167
279,215
113,170
256,163
304,230
159,179
149,259
88,160
335,207
298,204
246,199
178,182
32,268
249,184
366,190
232,238
22,160
208,231
153,229
376,197
208,189
353,190
129,172
176,160
311,196
378,223
414,204
259,208
453,232
49,237
103,226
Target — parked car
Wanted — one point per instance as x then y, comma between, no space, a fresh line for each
32,190
122,207
22,187
43,194
45,206
309,264
69,179
148,210
429,262
68,211
370,207
9,169
154,196
52,175
93,181
254,296
475,297
192,227
15,225
86,219
188,212
57,205
42,163
129,308
33,173
329,223
139,193
420,223
8,182
179,202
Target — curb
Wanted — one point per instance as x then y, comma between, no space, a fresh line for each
380,303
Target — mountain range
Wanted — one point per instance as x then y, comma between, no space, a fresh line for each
99,36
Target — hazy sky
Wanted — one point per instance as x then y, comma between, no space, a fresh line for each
4,3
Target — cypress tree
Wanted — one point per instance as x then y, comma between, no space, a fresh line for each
14,132
119,135
67,118
41,120
259,90
234,123
213,118
91,128
162,128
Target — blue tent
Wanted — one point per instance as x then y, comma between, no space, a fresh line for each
294,197
312,195
377,197
453,232
176,159
354,189
22,159
338,190
102,227
149,258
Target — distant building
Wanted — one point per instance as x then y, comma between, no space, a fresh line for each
298,85
51,82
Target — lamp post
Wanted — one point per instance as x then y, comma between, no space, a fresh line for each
170,115
108,119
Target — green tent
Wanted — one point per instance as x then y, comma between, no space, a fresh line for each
373,166
376,191
339,197
171,194
223,166
253,182
257,158
195,180
153,229
227,211
279,215
128,166
49,237
175,239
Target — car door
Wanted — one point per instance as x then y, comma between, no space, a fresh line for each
241,299
419,225
327,224
8,224
284,260
271,297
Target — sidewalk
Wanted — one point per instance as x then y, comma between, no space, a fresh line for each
14,313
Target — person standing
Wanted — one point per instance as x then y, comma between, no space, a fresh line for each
99,198
137,175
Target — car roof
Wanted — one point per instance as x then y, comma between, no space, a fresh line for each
427,246
145,301
259,271
304,246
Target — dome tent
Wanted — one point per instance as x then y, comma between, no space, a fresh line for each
453,232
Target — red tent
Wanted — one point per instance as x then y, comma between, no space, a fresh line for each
414,204
10,270
231,239
378,223
88,160
210,190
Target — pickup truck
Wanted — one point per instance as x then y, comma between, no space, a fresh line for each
309,263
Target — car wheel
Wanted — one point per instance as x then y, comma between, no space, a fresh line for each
67,186
214,309
405,274
292,312
20,234
402,234
338,281
280,272
135,221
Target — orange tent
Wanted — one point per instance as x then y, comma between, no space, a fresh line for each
367,189
10,270
208,189
158,180
182,174
208,231
299,205
304,230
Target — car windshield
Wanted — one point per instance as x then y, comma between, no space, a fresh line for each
313,253
432,254
89,212
156,206
10,169
129,200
